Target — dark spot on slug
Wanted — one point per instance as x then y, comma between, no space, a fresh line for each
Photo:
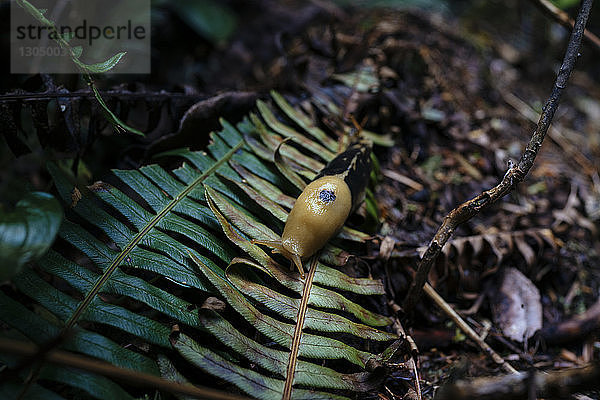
327,196
353,166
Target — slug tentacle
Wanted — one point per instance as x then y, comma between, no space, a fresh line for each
275,244
279,247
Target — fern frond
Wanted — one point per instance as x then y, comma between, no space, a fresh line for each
138,257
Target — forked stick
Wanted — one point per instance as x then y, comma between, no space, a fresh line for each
514,175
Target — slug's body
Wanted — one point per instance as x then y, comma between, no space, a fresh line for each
323,207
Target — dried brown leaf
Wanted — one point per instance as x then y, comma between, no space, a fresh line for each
517,309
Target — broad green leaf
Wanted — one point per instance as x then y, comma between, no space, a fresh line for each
208,18
27,232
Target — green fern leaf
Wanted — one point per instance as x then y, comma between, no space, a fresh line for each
137,258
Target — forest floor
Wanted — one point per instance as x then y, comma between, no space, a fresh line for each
460,97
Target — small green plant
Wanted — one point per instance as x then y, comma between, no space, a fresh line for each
86,69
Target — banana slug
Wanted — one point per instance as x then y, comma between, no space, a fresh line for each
323,207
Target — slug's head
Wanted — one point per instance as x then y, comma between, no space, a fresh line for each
279,247
318,214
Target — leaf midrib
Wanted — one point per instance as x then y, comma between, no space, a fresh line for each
137,238
296,339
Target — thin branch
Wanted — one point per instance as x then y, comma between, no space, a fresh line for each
10,346
514,175
430,291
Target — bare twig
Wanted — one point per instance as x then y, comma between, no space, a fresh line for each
10,346
405,180
514,175
557,384
430,291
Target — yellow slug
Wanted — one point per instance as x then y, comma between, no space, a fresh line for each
323,207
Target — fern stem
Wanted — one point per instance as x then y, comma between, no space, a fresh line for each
295,346
138,238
